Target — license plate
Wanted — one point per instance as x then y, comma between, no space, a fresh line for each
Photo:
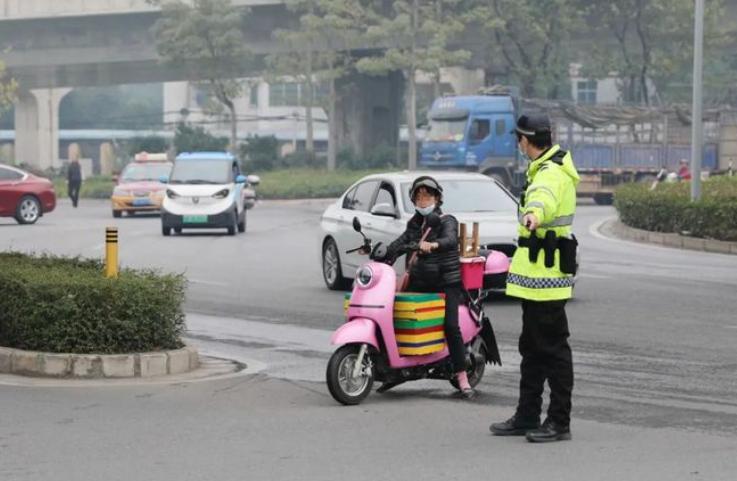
194,219
140,202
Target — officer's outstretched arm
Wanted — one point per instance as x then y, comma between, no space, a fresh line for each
543,196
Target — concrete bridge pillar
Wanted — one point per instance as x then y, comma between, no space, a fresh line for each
368,111
37,127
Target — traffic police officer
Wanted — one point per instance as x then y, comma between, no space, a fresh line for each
542,275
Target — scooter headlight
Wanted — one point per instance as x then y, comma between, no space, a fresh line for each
364,276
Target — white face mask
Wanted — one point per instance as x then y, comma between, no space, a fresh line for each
425,211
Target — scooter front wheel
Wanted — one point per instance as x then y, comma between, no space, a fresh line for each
343,386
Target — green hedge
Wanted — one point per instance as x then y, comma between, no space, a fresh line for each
56,304
668,208
99,187
307,183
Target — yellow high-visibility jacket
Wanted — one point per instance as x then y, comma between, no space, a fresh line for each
551,196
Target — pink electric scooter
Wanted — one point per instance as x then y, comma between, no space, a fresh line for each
368,348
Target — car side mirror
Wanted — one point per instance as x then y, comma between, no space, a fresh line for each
356,224
164,179
253,179
240,179
384,210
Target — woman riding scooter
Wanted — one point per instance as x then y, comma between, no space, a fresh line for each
437,267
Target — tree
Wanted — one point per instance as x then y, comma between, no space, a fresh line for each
8,89
653,43
529,36
317,51
300,60
196,139
206,39
414,37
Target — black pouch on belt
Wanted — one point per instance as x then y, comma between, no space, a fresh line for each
568,249
550,244
533,244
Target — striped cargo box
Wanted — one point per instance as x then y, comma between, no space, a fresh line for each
419,323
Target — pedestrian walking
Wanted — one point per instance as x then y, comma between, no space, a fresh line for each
74,181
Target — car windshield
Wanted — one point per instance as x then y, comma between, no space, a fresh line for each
138,172
469,196
202,171
446,130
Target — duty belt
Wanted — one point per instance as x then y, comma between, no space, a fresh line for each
550,243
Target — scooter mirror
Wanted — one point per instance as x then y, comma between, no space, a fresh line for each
432,221
356,224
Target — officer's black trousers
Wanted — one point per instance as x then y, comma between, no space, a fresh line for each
546,355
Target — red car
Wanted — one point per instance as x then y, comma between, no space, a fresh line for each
24,196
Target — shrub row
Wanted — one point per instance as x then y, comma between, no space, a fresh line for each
56,304
668,208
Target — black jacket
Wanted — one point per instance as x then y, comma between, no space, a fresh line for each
74,172
440,268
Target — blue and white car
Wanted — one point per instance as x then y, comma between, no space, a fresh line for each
205,190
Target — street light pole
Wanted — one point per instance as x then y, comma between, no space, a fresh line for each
697,131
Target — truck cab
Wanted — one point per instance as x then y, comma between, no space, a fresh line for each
472,133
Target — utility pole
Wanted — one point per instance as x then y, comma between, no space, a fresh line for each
697,130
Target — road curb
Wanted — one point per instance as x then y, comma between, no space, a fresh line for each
98,366
615,228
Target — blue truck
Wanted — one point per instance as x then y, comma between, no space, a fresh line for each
475,133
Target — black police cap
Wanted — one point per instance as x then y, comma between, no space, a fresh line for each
533,125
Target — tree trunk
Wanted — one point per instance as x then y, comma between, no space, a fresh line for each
310,138
436,85
411,94
411,120
332,126
233,129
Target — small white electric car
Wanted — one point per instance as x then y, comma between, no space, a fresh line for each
205,190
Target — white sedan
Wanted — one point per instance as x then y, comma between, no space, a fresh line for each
382,204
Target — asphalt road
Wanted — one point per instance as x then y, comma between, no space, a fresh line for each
654,332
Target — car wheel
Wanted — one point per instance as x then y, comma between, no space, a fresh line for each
242,223
166,230
117,214
331,271
234,224
28,210
130,213
178,230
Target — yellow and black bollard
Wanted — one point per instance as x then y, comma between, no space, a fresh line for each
111,252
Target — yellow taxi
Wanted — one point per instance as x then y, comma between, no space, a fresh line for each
138,187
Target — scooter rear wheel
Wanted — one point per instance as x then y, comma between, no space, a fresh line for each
345,388
475,371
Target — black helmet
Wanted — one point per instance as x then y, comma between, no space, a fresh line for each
427,182
533,125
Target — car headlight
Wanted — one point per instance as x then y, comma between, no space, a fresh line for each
171,194
222,194
364,276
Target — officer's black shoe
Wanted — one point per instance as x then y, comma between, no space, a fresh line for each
514,426
549,431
